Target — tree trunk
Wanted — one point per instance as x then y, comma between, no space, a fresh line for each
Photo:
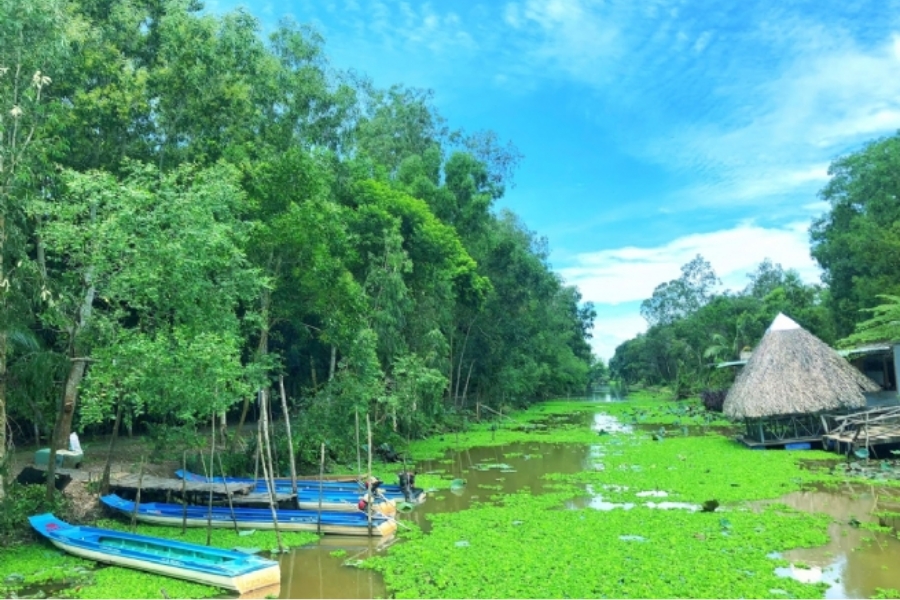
462,354
4,470
70,395
290,440
76,371
333,365
261,350
104,482
4,343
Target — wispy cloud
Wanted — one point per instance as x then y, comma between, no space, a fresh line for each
618,280
631,273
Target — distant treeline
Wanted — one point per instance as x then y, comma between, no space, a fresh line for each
857,245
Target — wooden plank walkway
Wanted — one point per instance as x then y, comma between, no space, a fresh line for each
864,429
151,483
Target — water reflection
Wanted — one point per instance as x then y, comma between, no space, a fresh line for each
609,424
318,570
855,561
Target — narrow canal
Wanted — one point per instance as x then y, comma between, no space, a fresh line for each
854,564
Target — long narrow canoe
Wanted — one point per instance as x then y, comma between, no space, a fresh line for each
329,503
342,523
309,499
305,486
211,566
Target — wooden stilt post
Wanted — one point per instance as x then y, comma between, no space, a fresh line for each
227,492
137,498
271,488
287,426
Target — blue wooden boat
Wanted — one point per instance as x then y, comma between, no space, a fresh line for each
343,523
211,566
308,486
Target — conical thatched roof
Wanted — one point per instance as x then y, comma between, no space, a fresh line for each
792,371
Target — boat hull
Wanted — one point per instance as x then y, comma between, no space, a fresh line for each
282,486
241,584
183,563
175,515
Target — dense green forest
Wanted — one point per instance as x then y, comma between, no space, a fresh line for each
857,245
194,214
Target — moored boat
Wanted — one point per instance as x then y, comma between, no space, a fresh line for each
211,566
342,523
283,485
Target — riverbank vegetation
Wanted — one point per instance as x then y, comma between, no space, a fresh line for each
196,215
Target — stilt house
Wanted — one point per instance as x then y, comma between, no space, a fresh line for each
789,383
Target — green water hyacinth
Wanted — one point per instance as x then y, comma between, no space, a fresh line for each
697,469
528,547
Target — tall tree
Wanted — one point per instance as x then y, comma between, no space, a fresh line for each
857,242
34,38
681,297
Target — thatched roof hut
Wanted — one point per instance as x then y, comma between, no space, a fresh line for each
792,372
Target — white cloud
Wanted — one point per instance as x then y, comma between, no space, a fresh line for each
631,273
617,280
612,330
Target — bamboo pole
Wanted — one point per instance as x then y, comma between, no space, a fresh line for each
358,449
321,490
268,470
137,498
209,479
369,477
227,493
184,501
290,440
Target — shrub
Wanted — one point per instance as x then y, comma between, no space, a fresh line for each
713,399
23,501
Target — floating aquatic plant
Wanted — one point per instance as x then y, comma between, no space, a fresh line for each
683,554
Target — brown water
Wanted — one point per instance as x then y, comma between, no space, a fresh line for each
854,563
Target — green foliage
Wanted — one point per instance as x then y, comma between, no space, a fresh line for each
209,212
23,501
857,241
28,565
883,326
689,336
117,582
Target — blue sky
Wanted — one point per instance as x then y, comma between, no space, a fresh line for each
652,130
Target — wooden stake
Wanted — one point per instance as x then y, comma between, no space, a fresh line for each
227,493
321,484
137,498
271,487
358,449
184,501
287,426
369,477
209,479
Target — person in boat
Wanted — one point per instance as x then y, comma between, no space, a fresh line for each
407,483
